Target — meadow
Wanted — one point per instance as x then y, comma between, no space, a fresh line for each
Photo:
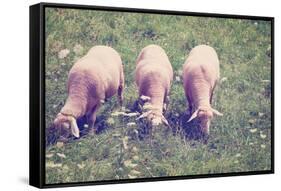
239,141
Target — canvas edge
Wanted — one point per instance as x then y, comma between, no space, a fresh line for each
37,95
156,11
35,157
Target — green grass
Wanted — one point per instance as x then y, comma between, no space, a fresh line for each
239,141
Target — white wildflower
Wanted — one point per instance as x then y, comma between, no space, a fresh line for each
131,114
116,135
134,149
117,113
263,136
80,166
125,142
145,98
110,121
261,114
78,49
60,144
265,81
128,163
131,176
135,172
63,53
223,79
253,130
252,121
135,157
180,72
61,155
49,155
51,164
131,124
238,155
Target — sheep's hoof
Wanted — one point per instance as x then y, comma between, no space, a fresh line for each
205,138
93,130
62,139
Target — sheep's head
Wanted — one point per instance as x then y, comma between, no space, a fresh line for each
154,115
204,115
67,122
157,118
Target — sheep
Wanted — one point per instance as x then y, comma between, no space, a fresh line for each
200,76
153,76
92,79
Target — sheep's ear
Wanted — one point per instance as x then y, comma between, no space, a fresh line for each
56,121
194,115
145,114
165,121
217,112
74,127
65,125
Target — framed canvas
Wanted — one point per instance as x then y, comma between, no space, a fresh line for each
122,95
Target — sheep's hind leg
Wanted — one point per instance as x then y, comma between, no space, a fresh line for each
120,94
166,103
211,93
121,87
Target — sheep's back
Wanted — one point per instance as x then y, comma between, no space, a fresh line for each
153,57
101,67
202,62
148,74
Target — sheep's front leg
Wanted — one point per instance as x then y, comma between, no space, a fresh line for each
92,117
189,105
92,120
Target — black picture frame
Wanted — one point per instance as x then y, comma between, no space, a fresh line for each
37,93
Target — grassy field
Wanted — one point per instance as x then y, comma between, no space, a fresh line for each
122,148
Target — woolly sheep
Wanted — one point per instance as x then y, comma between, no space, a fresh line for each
153,75
200,76
92,79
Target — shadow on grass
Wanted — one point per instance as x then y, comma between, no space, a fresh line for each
178,124
53,134
189,130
